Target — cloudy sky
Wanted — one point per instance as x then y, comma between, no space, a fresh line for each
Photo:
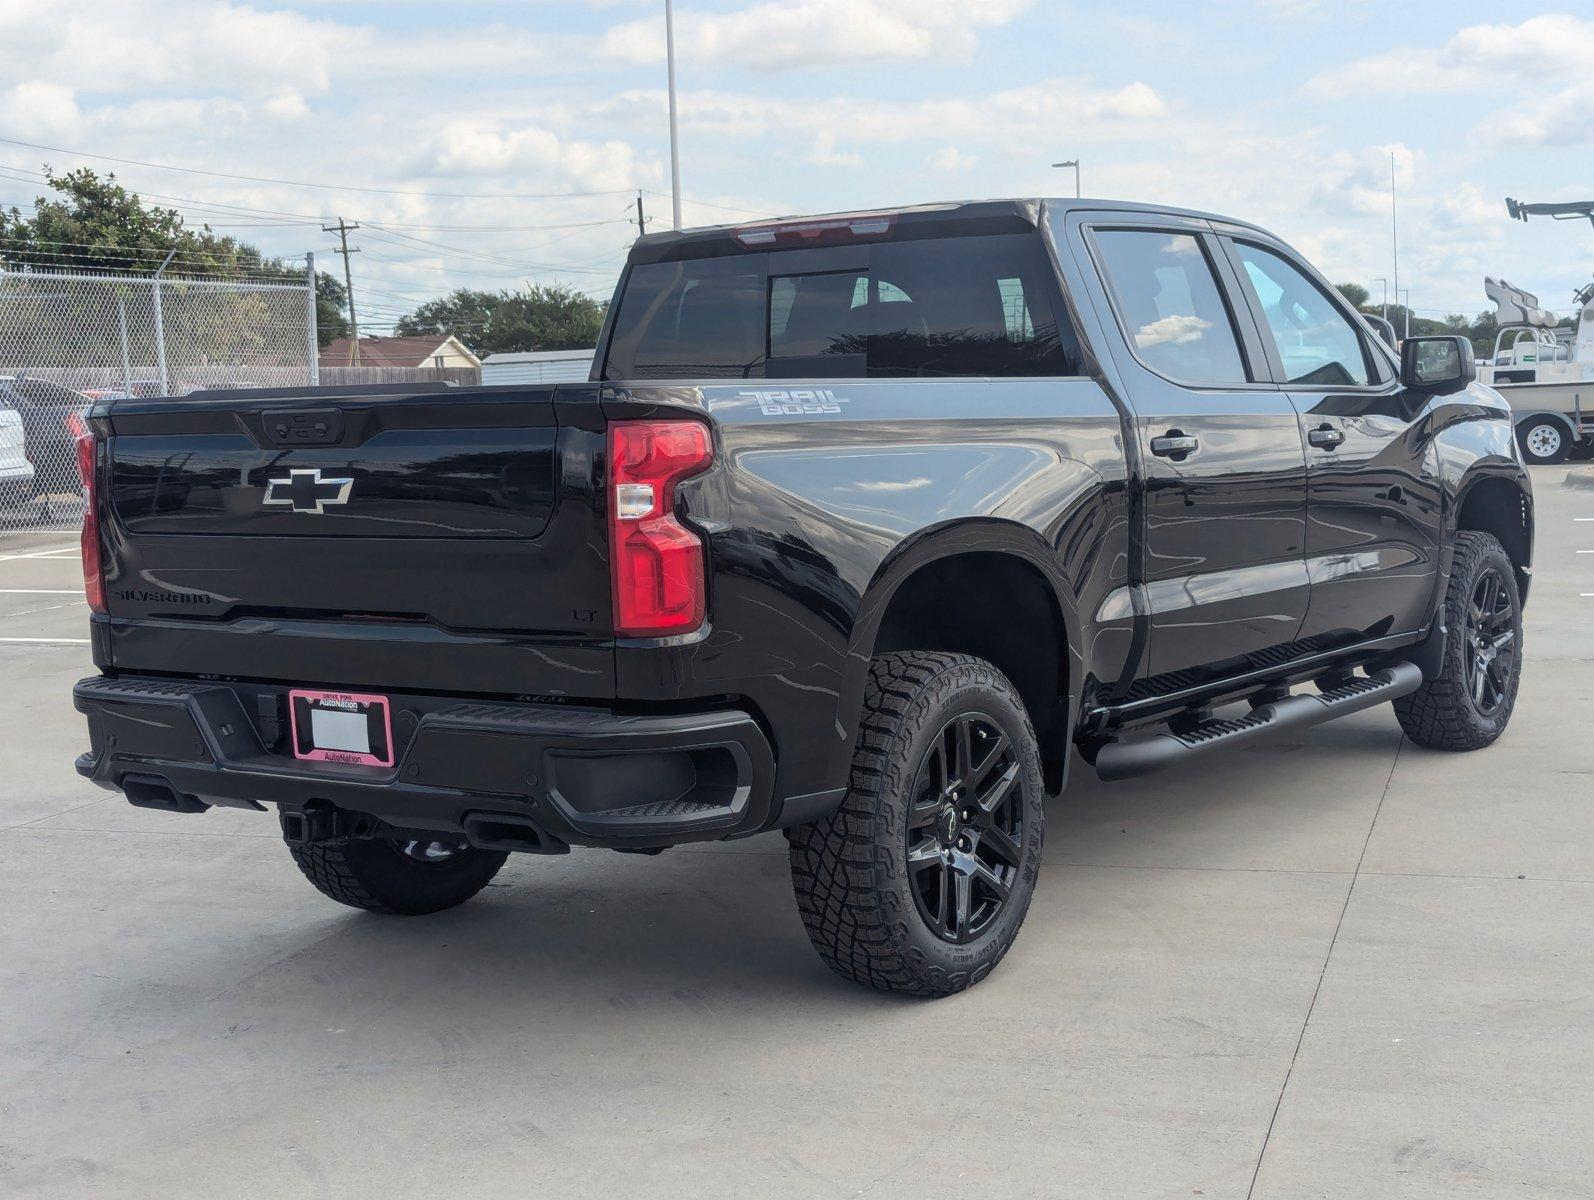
484,144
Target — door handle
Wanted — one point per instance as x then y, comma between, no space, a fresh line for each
1326,437
1174,445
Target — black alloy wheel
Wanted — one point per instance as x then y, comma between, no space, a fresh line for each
966,829
1491,642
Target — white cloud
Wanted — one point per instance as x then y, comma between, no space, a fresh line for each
1478,58
1009,117
1359,184
1544,58
950,158
1564,118
1171,331
143,45
825,153
809,33
522,98
470,148
39,110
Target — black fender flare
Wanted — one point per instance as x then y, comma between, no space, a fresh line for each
973,535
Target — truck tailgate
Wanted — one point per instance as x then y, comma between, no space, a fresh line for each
398,520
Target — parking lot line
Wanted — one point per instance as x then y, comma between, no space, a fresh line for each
53,553
41,591
48,641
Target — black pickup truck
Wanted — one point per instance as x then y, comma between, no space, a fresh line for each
862,526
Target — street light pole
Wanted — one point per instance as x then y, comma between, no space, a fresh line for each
675,144
1385,282
1073,162
1394,239
1406,292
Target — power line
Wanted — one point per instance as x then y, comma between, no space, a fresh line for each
201,210
473,254
333,187
750,212
316,218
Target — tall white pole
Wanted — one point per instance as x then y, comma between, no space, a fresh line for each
1394,237
160,324
675,143
309,319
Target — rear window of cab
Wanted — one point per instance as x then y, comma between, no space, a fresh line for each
983,305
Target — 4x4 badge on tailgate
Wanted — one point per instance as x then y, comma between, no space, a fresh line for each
305,491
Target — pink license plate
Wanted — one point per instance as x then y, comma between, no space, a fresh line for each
345,727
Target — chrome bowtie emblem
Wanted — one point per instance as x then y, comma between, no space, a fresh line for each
305,491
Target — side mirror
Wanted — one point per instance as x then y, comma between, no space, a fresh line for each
1437,364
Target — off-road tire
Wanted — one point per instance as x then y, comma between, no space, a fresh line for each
1442,714
375,874
850,869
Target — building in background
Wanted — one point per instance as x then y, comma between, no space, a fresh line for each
538,366
427,350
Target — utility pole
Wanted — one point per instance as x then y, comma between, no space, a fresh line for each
641,218
675,145
343,229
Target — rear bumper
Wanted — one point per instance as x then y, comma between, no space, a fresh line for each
566,775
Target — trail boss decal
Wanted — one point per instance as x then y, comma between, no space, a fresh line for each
797,402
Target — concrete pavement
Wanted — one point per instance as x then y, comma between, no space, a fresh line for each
1330,966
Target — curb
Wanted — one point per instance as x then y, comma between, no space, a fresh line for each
1580,477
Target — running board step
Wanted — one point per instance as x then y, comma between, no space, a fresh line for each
1141,756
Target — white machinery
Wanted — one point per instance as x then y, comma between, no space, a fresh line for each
1547,377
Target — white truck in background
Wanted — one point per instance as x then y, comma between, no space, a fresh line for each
1548,381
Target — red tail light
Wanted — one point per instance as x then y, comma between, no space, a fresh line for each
93,580
659,585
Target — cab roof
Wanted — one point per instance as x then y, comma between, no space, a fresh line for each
960,218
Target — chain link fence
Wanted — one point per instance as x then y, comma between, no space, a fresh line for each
67,339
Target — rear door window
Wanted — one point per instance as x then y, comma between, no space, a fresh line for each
973,306
1170,306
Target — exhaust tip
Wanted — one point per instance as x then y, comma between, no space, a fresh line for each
153,791
510,833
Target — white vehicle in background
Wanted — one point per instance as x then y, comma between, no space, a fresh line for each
1547,379
16,472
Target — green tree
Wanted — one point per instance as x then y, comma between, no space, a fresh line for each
1355,293
96,224
331,309
541,317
